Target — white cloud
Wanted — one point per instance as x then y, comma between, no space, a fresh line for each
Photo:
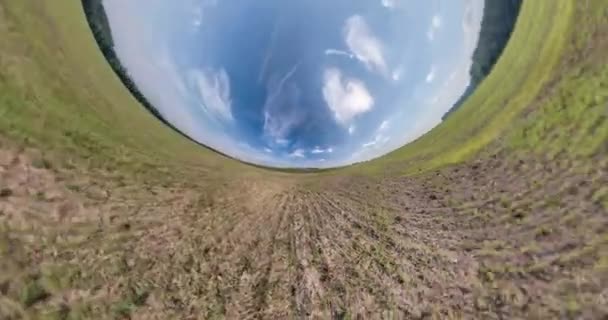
173,91
397,73
430,77
381,142
197,18
436,23
298,153
277,126
199,10
378,141
148,59
335,52
282,111
351,129
451,88
347,98
363,44
384,125
389,3
380,137
269,54
319,150
282,142
274,93
369,144
214,91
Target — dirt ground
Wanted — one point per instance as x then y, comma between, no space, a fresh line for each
524,238
505,235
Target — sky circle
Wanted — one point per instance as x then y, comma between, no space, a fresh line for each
306,84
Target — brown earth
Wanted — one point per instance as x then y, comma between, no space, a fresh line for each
520,238
500,237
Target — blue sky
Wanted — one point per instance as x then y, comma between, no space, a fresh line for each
311,83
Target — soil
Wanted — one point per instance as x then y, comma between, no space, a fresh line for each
519,238
503,236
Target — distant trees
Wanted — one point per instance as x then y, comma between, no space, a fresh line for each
100,26
498,21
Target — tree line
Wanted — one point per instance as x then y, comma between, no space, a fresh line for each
100,26
499,18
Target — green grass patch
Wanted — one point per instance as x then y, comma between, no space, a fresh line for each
526,66
60,95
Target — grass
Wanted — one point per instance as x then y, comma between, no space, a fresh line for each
58,93
513,85
33,292
60,78
168,233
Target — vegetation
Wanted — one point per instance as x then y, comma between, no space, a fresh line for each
499,17
83,113
496,103
100,26
500,212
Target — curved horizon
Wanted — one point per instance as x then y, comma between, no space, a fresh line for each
258,82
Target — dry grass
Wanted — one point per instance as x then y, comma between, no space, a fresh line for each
96,223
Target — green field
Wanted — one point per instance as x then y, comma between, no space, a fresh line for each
514,84
59,93
107,213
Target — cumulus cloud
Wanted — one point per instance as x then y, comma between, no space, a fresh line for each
397,73
364,45
177,94
436,23
298,153
174,89
214,91
389,3
319,150
282,142
430,77
346,97
351,129
383,126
